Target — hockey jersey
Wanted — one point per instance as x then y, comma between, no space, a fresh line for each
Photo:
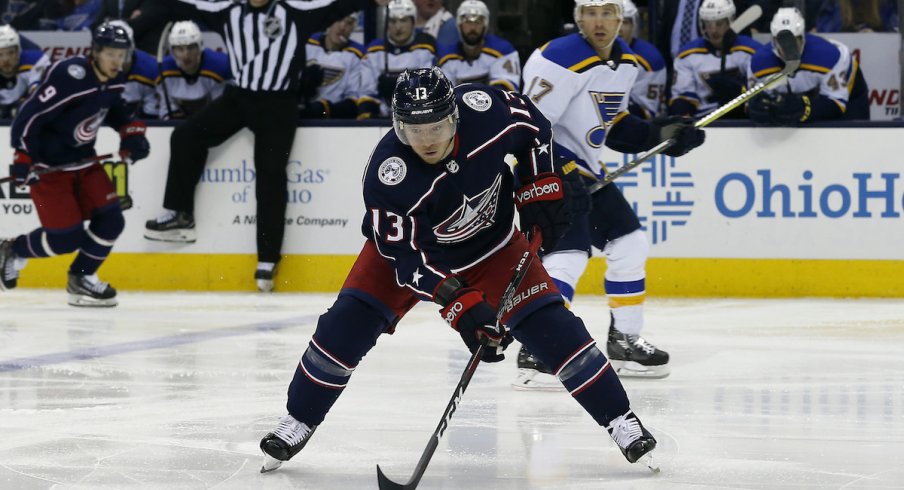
497,64
826,68
431,221
698,60
58,122
141,85
189,94
583,96
384,57
341,69
32,64
649,90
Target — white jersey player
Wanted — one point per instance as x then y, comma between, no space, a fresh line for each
479,57
20,71
141,85
711,70
581,83
336,62
192,74
648,93
403,48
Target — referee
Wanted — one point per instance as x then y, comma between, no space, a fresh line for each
266,44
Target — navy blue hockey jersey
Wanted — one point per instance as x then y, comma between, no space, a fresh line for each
58,123
431,221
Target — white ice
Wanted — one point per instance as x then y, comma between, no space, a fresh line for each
171,391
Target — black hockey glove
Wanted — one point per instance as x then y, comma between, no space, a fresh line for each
386,86
542,203
790,109
726,87
682,129
133,145
580,202
311,79
467,311
760,109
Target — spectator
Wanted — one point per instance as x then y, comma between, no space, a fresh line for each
117,9
648,91
331,81
403,48
434,19
57,15
711,70
828,84
141,86
192,74
865,16
479,57
20,71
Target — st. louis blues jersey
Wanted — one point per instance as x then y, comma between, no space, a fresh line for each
698,60
341,69
497,64
430,221
189,94
826,69
58,123
419,53
583,96
141,85
32,63
648,92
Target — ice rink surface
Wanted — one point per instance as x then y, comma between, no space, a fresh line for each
172,391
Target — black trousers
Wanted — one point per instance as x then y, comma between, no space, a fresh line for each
271,116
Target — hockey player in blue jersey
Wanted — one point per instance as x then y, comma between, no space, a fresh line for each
648,91
828,85
57,125
439,223
20,71
192,74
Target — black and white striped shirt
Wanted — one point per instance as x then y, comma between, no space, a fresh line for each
267,44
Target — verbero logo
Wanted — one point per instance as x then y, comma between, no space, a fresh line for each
550,190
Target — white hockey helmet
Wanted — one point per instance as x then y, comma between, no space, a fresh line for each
8,37
580,4
787,19
125,25
630,11
716,10
400,9
472,10
185,33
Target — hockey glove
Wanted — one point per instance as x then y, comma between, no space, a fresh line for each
790,109
20,170
682,129
133,145
541,203
386,86
311,79
467,311
579,200
726,87
760,109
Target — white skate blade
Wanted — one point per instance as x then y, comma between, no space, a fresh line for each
533,380
631,369
270,464
648,460
87,301
172,236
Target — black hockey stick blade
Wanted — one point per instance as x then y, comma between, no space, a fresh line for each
789,50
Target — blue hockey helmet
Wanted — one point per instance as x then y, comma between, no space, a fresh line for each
423,96
109,35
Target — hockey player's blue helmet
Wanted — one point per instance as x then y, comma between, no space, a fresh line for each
423,96
110,36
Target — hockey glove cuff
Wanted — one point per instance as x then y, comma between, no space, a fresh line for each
133,145
20,170
475,320
541,203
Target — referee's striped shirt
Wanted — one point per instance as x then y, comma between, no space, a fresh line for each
266,44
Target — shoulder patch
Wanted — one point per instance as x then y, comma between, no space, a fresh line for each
478,100
76,71
392,171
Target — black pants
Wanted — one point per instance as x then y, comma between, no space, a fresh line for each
271,116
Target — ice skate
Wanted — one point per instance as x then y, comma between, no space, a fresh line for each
88,290
284,442
263,276
9,273
171,226
533,375
633,356
633,439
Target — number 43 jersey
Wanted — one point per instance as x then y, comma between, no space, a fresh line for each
582,95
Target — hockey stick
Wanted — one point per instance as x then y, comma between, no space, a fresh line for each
743,21
60,168
504,305
161,52
788,44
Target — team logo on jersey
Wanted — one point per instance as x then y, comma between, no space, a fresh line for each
607,107
77,72
452,166
474,214
86,131
478,100
273,27
392,171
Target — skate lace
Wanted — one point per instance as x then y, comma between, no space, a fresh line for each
291,430
625,430
639,342
93,284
